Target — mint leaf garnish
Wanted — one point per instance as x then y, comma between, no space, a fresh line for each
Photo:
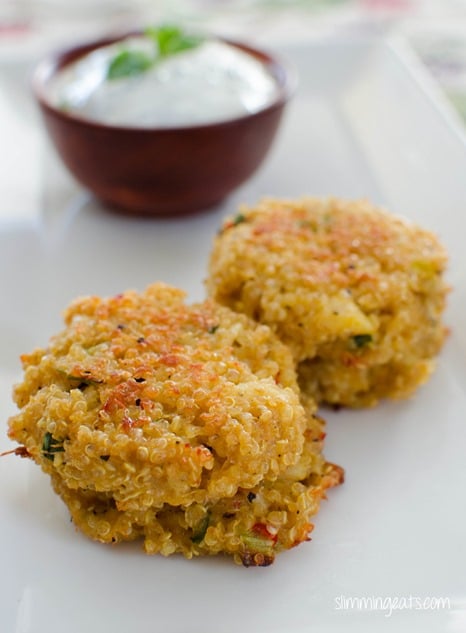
169,40
128,63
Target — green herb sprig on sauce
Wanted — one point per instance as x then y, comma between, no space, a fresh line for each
168,40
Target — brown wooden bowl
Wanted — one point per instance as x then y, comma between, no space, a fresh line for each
161,171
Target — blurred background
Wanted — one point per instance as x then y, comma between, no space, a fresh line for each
436,29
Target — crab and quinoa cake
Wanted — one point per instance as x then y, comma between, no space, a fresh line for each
355,292
253,525
182,425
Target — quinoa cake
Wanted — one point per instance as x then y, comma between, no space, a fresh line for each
356,293
182,425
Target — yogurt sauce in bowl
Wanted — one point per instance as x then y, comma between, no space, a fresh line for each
212,82
160,127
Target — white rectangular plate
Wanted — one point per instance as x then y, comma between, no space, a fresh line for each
362,124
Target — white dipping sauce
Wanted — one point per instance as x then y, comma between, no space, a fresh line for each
210,83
